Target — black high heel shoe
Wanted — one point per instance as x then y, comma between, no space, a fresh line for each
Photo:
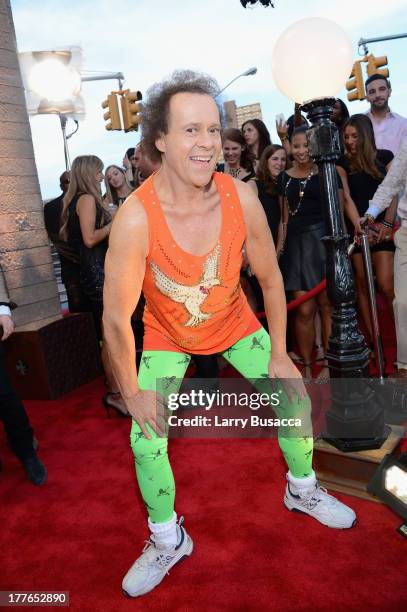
108,405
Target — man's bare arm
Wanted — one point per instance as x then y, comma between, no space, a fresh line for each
124,274
263,262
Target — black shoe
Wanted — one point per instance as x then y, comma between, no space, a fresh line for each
35,470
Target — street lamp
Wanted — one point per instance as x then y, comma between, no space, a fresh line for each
248,72
323,62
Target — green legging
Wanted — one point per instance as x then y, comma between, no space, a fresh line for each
250,356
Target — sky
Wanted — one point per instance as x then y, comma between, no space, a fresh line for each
148,39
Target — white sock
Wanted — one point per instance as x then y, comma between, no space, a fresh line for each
302,483
165,534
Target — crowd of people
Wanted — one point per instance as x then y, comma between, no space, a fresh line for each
163,228
286,181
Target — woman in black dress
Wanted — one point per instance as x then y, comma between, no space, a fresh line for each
302,259
365,168
272,162
85,225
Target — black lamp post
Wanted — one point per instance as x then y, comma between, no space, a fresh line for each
311,61
355,420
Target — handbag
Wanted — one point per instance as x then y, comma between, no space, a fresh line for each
92,273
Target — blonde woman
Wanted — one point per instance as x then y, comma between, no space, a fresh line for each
85,225
117,186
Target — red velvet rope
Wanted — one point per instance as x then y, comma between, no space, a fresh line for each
300,300
315,290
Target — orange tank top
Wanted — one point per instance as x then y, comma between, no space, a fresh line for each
195,304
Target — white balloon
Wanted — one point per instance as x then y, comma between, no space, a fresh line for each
312,59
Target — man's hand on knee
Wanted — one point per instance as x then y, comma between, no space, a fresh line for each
148,408
281,367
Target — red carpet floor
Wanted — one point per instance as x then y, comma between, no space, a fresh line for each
84,528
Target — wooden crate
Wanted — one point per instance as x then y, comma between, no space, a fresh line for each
54,359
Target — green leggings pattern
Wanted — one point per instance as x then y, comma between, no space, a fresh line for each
250,357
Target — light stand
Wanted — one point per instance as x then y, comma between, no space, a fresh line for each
63,119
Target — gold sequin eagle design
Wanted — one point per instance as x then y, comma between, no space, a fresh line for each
191,296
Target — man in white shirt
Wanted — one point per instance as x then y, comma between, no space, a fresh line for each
12,412
395,182
390,129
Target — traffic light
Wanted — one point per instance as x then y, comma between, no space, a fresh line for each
374,64
113,115
356,83
131,110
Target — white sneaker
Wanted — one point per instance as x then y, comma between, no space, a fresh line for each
316,501
154,563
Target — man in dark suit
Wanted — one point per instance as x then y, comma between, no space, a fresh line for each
12,412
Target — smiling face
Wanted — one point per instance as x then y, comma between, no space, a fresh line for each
232,152
378,94
350,137
276,163
115,178
192,146
299,148
250,134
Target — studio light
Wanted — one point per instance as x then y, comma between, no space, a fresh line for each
389,484
52,82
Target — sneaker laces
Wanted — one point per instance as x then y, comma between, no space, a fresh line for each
151,555
312,499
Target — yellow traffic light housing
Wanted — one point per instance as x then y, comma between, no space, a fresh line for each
113,115
356,83
131,110
374,65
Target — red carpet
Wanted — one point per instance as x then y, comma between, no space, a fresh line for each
84,528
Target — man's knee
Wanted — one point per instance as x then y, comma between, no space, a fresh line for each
145,450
